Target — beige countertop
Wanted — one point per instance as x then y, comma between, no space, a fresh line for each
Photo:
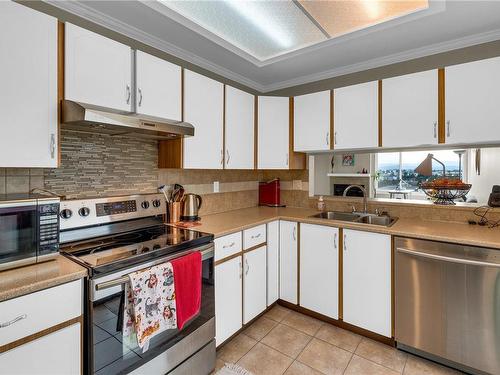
32,278
233,221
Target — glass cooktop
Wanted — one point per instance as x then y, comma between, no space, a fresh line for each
147,242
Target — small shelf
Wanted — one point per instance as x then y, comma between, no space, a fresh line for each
349,175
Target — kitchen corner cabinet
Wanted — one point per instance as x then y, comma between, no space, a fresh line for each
472,111
203,107
288,261
98,70
367,286
319,269
273,248
28,75
239,129
254,283
228,299
356,117
410,110
312,122
158,87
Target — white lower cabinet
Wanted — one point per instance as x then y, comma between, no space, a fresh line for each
228,299
319,269
367,281
254,283
57,353
288,261
273,266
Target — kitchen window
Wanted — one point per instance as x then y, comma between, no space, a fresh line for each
395,171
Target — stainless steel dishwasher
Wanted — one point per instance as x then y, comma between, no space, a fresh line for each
448,303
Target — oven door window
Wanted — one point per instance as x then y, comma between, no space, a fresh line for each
17,233
112,356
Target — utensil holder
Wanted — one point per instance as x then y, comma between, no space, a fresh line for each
174,212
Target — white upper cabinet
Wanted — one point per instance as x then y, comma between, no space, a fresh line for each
410,110
28,98
158,87
203,107
98,70
356,116
273,132
239,130
319,269
312,122
472,106
367,281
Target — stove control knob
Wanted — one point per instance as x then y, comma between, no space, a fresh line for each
84,211
156,203
145,204
66,213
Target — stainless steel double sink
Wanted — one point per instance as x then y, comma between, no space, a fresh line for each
357,217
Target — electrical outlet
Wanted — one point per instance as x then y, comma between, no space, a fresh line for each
216,187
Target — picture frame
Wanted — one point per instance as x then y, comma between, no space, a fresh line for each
348,160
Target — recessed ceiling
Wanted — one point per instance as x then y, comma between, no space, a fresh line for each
301,41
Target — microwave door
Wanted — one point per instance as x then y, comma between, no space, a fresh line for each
18,233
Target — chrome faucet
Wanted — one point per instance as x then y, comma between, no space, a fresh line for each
365,196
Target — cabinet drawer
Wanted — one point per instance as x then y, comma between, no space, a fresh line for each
227,245
254,236
40,310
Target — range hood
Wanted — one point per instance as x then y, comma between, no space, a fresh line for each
89,118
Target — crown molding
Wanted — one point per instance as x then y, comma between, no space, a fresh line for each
101,19
416,53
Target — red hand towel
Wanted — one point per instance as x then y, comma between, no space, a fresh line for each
187,283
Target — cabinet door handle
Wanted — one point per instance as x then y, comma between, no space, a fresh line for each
335,138
230,245
448,128
127,94
295,233
256,236
248,267
15,320
435,129
241,269
221,157
335,241
140,97
287,159
228,157
327,138
345,242
52,145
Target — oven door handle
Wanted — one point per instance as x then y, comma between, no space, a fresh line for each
206,253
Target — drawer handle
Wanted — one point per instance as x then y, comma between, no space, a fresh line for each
15,320
230,245
256,236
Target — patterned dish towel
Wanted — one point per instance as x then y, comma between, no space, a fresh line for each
149,305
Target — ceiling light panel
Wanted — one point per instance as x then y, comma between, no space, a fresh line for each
340,17
263,29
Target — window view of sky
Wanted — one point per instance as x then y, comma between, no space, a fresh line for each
412,159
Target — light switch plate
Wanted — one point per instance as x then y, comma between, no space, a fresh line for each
216,187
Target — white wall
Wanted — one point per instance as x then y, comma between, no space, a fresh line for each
490,173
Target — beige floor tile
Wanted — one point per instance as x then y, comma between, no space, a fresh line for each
361,366
419,366
382,354
287,340
325,357
263,360
261,327
277,313
236,348
302,323
339,337
298,368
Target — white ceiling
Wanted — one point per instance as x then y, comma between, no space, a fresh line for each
444,26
